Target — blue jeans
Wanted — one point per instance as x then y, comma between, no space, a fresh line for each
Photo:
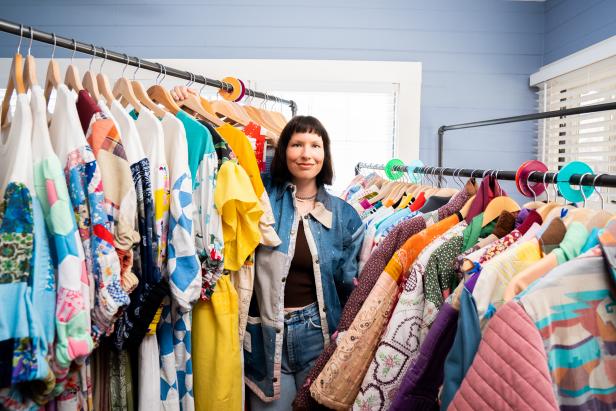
302,344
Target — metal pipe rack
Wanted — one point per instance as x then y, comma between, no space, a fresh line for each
71,44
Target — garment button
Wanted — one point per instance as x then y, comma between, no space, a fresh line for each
316,261
284,279
274,379
324,309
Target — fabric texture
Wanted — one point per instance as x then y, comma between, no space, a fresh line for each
215,325
339,382
240,211
512,375
208,224
120,198
95,222
400,342
419,388
368,277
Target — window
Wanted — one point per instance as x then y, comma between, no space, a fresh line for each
361,126
591,137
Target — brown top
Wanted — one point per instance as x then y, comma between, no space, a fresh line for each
300,289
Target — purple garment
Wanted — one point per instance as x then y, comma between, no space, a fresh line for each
420,386
472,281
522,216
488,189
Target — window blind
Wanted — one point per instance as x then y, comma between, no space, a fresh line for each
591,137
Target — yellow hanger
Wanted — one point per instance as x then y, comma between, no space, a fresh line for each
53,78
15,82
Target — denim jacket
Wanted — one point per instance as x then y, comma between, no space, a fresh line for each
334,233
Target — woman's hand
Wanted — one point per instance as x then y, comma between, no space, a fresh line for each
180,93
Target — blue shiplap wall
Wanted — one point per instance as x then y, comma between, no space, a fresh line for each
476,54
571,25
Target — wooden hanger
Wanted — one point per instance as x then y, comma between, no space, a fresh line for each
53,78
30,66
103,82
601,217
230,113
123,91
89,79
71,78
144,99
198,104
161,95
15,83
496,207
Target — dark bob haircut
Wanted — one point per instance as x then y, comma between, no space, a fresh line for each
301,124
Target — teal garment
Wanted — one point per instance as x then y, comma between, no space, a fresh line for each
474,231
464,348
199,143
592,240
571,245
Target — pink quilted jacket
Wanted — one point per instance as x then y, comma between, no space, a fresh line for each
510,370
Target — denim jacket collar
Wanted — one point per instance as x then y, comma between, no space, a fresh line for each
322,208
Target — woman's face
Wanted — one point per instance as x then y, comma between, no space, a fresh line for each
305,154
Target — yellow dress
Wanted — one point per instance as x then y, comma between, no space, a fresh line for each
216,351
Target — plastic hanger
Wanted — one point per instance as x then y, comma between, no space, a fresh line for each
53,78
497,206
123,90
161,95
72,79
89,80
143,97
195,105
103,82
30,66
15,82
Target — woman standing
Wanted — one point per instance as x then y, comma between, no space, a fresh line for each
302,284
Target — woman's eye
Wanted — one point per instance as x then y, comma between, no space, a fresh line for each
316,146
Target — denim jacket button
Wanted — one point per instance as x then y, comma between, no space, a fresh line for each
324,309
274,379
316,261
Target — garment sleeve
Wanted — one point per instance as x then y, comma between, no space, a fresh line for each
352,242
510,370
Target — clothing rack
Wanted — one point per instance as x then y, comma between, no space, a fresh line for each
71,44
595,180
516,119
